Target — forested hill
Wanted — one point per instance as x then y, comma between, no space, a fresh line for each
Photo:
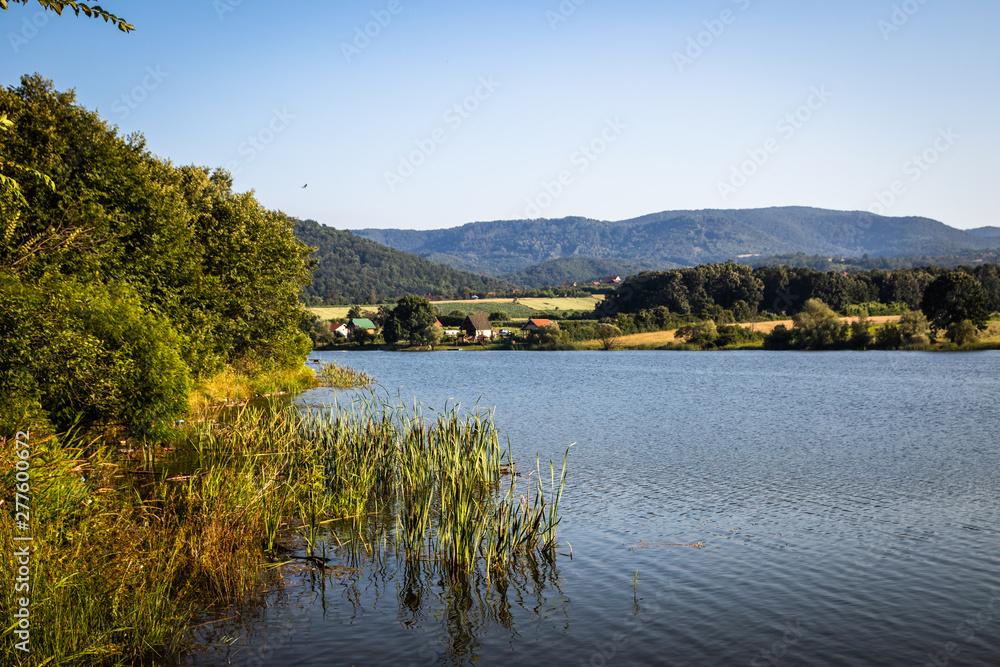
352,269
684,238
580,270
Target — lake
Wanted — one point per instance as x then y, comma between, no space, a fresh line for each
744,508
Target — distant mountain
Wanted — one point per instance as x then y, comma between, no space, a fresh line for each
683,238
564,270
986,232
353,269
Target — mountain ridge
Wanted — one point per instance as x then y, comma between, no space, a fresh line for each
684,238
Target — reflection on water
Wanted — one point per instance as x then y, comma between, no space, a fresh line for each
849,507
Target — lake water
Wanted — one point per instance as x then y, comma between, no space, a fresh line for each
848,505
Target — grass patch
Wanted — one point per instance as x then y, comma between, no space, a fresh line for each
231,386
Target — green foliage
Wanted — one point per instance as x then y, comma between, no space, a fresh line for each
817,327
953,297
76,353
557,272
962,333
413,319
548,337
861,334
734,336
209,273
350,269
608,334
88,10
703,334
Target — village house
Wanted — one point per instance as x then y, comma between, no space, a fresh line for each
477,326
360,323
341,331
535,323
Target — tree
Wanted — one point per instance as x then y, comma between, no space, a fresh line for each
608,334
818,327
861,335
414,315
433,335
962,333
953,297
354,312
548,336
703,334
90,11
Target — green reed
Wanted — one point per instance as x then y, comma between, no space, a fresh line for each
122,561
332,374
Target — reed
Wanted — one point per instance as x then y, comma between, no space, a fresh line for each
123,561
334,375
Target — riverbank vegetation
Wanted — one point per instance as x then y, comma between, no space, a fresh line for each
128,552
132,289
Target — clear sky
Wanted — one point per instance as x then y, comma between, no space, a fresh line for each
448,112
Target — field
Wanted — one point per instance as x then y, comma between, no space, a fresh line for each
523,309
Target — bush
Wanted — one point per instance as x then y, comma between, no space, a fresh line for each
87,355
962,333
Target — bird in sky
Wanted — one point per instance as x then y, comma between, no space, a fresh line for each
305,186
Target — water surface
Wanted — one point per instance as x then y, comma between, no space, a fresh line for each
847,505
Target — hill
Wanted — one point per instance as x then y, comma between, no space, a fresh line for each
557,272
684,238
352,269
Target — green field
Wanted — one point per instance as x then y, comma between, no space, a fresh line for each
523,309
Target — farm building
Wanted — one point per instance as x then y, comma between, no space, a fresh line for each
535,323
477,325
360,323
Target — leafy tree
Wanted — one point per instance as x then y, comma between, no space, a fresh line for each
817,327
861,335
962,333
89,10
953,297
413,316
498,316
889,337
608,334
433,335
703,334
354,312
546,337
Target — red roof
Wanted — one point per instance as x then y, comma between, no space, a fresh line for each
541,323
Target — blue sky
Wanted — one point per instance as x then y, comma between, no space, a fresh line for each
456,111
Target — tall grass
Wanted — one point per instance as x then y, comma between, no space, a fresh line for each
334,375
122,562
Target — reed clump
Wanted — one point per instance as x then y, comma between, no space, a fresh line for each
123,559
334,375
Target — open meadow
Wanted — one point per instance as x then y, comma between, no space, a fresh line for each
522,309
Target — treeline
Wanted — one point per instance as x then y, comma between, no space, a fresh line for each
353,269
771,291
124,279
826,263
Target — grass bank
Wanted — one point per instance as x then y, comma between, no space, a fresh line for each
124,558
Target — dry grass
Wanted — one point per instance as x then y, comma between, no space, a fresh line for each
336,312
230,386
540,304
